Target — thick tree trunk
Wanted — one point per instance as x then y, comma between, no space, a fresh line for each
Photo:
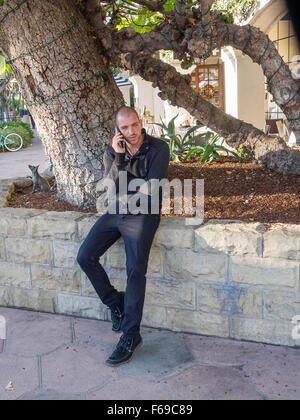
70,91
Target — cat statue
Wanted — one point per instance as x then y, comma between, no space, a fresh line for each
38,180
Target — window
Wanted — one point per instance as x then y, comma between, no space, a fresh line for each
208,81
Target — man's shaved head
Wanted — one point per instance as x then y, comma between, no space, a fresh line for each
125,111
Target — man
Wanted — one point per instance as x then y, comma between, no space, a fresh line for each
140,157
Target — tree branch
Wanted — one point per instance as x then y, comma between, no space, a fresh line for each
180,14
205,8
200,40
95,14
284,88
154,6
176,88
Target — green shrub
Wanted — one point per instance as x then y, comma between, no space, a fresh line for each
18,127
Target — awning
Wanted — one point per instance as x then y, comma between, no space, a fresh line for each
121,81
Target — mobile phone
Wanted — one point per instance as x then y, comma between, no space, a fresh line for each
121,143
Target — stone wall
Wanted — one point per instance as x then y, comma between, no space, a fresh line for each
222,278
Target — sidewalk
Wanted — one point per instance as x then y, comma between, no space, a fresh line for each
14,164
57,357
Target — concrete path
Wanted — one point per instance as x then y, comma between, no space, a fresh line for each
14,164
55,357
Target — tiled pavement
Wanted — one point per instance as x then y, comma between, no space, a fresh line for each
57,357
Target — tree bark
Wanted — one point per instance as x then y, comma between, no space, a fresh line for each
70,91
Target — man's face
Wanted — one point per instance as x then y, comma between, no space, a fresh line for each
131,128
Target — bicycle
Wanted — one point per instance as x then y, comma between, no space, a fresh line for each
12,142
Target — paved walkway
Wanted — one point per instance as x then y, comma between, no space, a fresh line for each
14,164
57,357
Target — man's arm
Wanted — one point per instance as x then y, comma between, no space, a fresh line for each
158,169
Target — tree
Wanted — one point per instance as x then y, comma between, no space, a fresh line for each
62,52
6,76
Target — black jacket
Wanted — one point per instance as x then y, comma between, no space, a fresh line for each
150,162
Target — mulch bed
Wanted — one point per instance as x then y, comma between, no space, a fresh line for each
241,191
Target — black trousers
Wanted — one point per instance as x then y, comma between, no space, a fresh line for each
137,232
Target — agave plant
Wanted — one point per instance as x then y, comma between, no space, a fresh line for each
186,146
179,145
209,150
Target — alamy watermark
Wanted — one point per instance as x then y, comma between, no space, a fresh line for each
143,197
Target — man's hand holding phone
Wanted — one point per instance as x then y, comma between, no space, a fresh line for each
118,142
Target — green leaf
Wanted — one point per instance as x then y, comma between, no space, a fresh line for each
207,152
171,125
169,5
191,152
190,131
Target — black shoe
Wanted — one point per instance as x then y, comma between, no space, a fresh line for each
125,350
117,313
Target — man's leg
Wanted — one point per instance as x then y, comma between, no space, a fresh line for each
102,235
138,232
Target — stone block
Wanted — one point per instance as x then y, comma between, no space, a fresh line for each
15,274
197,322
22,182
2,328
173,293
36,299
155,263
116,260
229,238
21,250
251,303
173,233
263,331
5,184
53,224
193,221
116,257
6,295
281,305
58,279
282,241
209,298
65,253
154,316
87,307
13,221
264,271
39,300
2,250
3,198
87,288
85,224
190,265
